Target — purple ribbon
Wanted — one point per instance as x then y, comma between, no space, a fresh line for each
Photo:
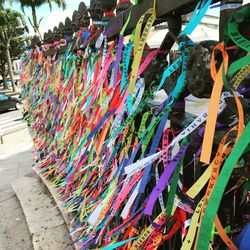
118,58
109,30
164,180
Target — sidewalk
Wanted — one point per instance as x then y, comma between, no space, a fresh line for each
29,217
15,156
15,161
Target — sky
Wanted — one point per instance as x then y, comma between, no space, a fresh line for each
50,19
53,18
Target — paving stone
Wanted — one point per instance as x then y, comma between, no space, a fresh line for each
57,198
6,192
38,208
8,172
9,163
14,233
56,234
24,171
7,179
44,220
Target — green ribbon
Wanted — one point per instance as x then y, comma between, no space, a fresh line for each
233,31
221,183
174,182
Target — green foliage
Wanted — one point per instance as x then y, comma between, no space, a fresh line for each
10,38
10,33
1,4
38,3
9,28
16,50
34,4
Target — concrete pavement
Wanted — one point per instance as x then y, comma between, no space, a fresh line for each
15,156
29,217
14,233
15,161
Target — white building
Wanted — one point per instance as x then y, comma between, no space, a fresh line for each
208,29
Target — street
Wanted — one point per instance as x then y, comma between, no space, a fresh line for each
15,162
11,121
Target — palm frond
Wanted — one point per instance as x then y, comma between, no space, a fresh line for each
30,22
22,8
50,4
60,3
40,20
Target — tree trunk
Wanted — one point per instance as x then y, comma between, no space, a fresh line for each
4,80
9,62
35,23
34,17
3,74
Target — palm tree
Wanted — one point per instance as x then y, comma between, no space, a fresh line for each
1,4
34,4
11,27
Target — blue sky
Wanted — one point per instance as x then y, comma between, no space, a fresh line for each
50,19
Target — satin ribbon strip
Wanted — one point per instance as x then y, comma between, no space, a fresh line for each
112,157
